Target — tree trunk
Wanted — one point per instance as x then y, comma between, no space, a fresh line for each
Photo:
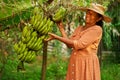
44,62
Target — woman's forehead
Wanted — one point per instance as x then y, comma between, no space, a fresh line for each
91,11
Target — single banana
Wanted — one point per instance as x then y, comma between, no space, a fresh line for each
35,20
34,33
16,47
23,48
24,32
32,19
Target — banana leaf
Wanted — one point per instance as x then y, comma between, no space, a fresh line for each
13,11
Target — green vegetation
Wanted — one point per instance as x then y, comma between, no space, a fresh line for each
56,69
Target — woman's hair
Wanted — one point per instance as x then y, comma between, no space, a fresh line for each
100,23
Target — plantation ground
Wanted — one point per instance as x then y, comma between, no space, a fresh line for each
56,70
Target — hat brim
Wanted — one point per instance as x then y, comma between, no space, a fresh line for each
105,18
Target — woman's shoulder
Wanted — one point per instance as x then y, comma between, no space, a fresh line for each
95,27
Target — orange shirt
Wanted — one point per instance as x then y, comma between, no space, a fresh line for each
84,63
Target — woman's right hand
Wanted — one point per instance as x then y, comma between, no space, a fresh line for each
52,37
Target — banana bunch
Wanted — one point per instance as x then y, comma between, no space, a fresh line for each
59,14
29,44
31,39
41,24
20,47
35,43
27,56
27,31
24,54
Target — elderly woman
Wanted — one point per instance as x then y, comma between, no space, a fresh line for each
84,63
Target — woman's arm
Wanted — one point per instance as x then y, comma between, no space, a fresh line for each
87,38
65,40
62,30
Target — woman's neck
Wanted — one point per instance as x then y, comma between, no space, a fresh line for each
89,25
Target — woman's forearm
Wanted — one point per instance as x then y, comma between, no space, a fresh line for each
67,41
62,30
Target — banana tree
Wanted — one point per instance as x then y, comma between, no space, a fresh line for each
11,14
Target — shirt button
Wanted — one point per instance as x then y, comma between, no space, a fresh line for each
72,72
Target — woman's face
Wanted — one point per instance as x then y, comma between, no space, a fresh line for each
91,17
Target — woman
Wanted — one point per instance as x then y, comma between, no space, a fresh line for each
84,64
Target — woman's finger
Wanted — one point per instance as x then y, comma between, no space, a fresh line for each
49,39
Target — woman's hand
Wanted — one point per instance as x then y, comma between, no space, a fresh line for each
52,37
60,24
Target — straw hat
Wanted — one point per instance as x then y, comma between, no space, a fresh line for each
98,9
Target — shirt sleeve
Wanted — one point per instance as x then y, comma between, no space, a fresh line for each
87,38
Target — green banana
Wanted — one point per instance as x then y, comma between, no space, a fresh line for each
24,55
28,39
61,10
23,48
32,19
33,56
59,14
24,31
27,58
39,19
16,47
33,43
35,20
44,28
30,42
23,39
28,33
34,33
20,56
49,27
39,46
38,43
42,24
